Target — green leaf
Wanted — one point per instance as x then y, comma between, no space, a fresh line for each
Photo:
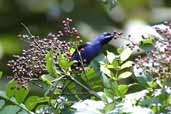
2,103
150,101
115,89
109,107
49,62
31,102
43,99
106,71
147,41
57,91
64,62
110,56
106,81
47,79
104,98
125,54
115,64
119,50
13,101
50,66
21,93
109,93
125,75
91,74
10,89
72,50
1,73
127,64
10,109
110,66
123,89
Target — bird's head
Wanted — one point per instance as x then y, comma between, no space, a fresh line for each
105,37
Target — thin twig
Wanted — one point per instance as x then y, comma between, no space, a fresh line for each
54,81
27,29
82,64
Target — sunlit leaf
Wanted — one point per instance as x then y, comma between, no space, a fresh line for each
110,56
47,79
10,88
125,54
110,66
106,71
127,64
72,50
147,41
64,62
21,93
125,75
31,102
43,99
123,89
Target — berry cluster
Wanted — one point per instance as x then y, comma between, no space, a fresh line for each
166,33
158,60
31,63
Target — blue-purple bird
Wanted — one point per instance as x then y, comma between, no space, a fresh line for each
89,50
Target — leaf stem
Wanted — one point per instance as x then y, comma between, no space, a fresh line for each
86,88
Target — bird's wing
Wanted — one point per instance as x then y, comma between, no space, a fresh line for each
75,55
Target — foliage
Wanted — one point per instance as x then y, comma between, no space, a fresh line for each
115,83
